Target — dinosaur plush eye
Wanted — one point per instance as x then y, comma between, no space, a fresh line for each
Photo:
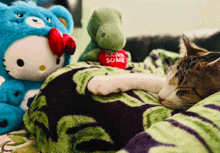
19,15
103,35
48,19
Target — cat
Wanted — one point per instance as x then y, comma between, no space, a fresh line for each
193,78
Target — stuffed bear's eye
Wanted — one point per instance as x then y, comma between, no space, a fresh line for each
48,19
20,62
19,15
58,61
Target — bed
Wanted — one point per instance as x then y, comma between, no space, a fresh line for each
66,118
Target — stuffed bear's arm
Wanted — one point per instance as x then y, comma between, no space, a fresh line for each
12,92
104,85
92,55
128,56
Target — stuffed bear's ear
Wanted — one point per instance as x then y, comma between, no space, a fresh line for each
64,16
3,7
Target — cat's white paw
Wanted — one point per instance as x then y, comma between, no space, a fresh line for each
103,85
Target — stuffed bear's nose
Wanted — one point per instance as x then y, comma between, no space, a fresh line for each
42,68
34,20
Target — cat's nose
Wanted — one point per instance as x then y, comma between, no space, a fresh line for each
160,99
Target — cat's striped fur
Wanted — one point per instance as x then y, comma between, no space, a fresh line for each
193,78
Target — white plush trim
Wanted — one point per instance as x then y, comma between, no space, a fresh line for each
28,95
2,80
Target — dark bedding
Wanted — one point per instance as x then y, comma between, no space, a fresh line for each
66,118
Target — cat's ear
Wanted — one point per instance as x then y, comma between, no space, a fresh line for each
215,64
188,48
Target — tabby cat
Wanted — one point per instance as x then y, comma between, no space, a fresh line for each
193,78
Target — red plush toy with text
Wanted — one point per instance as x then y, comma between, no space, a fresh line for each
116,59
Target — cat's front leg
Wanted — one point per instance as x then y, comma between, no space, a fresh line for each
104,85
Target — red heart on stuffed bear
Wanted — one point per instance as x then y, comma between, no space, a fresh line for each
118,59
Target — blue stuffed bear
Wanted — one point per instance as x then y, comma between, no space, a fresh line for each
35,42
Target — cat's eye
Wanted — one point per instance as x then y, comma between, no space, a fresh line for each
176,75
48,19
19,15
180,93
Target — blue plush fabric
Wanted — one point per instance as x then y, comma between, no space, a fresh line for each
12,91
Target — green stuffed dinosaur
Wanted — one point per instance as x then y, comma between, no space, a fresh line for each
107,39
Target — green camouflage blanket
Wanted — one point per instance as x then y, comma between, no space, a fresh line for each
66,118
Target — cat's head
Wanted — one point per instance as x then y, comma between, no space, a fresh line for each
193,78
